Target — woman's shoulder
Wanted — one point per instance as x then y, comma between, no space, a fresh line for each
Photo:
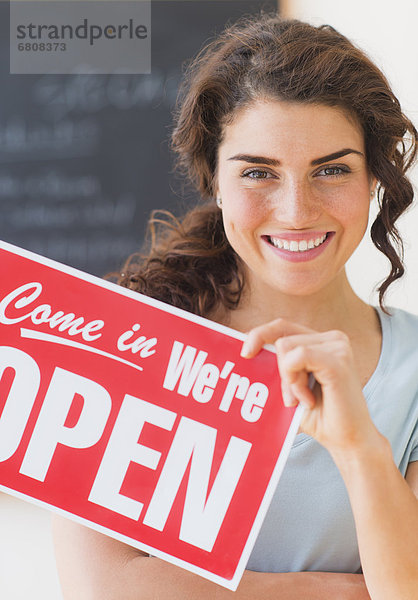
400,319
400,329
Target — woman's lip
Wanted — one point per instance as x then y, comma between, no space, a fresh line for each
300,256
298,236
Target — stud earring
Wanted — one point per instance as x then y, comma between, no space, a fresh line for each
219,202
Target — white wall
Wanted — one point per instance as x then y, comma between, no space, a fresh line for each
27,564
386,30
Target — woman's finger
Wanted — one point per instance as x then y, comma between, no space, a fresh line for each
329,363
268,334
298,392
285,344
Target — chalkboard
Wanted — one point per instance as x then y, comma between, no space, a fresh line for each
84,158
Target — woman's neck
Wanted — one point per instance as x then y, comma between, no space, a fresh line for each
336,307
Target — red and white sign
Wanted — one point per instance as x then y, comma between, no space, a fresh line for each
135,418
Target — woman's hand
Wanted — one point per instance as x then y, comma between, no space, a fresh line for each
336,413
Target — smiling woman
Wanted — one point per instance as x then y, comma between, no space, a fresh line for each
307,202
289,131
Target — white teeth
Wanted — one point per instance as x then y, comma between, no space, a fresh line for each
295,246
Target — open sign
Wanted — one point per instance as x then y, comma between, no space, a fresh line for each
135,418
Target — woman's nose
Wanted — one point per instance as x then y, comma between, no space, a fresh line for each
297,206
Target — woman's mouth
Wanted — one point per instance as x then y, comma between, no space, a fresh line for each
301,249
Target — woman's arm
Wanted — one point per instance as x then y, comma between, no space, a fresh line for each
411,477
386,523
93,566
385,507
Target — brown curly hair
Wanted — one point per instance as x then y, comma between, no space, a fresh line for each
190,263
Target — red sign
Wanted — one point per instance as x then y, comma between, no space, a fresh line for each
135,418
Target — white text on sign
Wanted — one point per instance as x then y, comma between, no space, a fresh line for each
192,443
193,374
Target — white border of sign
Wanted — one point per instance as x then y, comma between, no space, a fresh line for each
231,584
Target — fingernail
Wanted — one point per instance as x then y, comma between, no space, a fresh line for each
288,397
245,350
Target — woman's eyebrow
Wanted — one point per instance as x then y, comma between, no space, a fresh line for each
256,159
334,155
275,163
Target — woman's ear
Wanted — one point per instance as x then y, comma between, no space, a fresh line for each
373,186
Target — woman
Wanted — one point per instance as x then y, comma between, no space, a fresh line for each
291,131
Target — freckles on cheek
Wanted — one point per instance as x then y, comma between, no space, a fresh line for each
245,216
350,210
355,214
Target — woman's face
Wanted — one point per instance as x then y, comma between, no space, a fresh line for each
295,192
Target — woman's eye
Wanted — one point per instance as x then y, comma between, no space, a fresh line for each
257,174
333,171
